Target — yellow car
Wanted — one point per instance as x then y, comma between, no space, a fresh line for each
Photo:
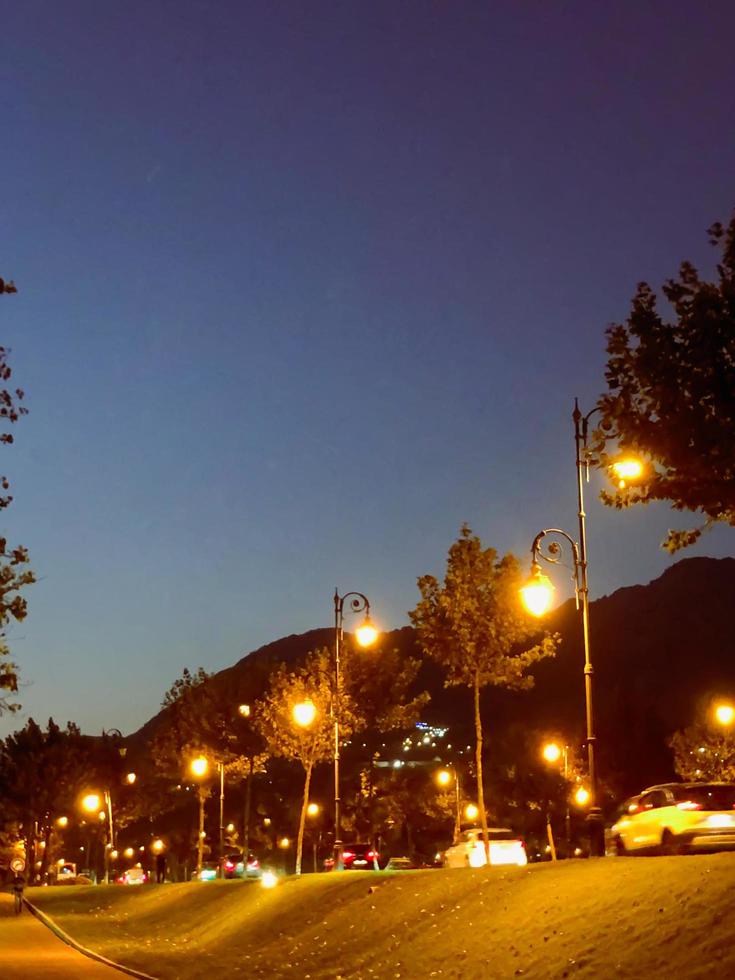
675,818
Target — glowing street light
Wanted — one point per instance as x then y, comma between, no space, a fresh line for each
627,470
444,778
312,810
91,802
62,822
284,843
130,778
244,710
582,796
129,852
199,767
725,714
158,846
304,713
551,752
471,812
366,635
538,592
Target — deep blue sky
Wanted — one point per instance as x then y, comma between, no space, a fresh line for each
304,286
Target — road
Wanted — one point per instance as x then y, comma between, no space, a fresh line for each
30,951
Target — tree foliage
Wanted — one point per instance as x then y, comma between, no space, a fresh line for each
14,571
474,627
671,393
702,754
306,745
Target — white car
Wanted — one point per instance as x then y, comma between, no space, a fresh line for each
506,848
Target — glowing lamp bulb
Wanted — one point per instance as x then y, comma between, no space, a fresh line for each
538,592
366,633
552,752
312,809
199,766
582,796
626,469
471,811
444,777
157,846
725,714
91,802
304,713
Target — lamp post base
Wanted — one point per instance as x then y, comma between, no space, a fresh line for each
596,831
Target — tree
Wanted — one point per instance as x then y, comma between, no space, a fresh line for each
702,754
473,626
672,394
382,682
14,574
41,776
310,744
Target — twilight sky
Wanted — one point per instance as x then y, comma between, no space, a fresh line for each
304,286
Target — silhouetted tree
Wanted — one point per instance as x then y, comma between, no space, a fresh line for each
672,393
703,754
474,627
14,573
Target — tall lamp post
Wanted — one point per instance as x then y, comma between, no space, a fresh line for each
538,591
199,768
444,778
366,635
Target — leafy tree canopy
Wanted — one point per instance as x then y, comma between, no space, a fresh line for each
671,395
702,754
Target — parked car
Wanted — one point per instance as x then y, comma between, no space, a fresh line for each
677,817
506,847
356,857
133,876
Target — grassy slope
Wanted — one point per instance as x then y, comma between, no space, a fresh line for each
627,917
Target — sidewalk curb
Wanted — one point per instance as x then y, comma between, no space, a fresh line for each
65,937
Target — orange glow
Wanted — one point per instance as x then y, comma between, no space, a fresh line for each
582,796
444,777
91,802
312,809
199,766
538,592
551,752
725,714
304,713
471,811
627,469
366,633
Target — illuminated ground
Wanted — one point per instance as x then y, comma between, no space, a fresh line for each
617,917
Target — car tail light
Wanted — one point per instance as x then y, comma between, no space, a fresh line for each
347,854
373,854
688,805
229,865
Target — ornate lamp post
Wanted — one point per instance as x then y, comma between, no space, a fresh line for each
537,597
366,635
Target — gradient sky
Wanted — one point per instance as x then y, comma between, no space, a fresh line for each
304,286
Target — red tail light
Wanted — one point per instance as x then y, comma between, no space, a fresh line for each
373,854
229,865
688,805
347,854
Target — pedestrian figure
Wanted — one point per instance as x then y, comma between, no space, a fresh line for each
160,868
18,886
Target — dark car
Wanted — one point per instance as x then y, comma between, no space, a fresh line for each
356,857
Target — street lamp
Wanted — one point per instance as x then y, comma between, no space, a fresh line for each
366,635
537,595
444,778
552,753
199,767
304,713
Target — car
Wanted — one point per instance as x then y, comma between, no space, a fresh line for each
674,818
506,847
208,872
401,864
356,857
235,867
133,876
